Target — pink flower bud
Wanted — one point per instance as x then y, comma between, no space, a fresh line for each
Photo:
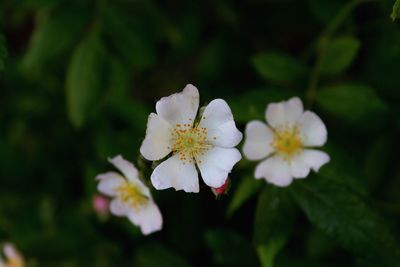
222,189
101,204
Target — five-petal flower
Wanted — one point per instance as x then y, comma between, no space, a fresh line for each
131,198
208,143
286,143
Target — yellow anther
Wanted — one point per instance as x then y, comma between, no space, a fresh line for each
130,194
287,142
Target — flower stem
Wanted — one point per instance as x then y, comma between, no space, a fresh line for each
322,42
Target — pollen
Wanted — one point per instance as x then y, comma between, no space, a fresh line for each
130,194
190,142
15,262
287,142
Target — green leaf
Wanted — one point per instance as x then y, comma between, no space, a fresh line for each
3,50
357,105
319,245
279,67
396,11
230,249
84,78
273,222
345,216
252,104
51,38
338,55
343,169
247,188
155,255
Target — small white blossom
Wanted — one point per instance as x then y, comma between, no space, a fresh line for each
12,257
208,143
130,197
286,143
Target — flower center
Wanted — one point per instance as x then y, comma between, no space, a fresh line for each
15,263
190,141
287,141
130,194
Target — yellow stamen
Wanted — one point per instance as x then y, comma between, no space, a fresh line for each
130,194
287,142
190,142
14,262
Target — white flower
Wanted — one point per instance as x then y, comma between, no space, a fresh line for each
286,143
13,257
131,198
209,143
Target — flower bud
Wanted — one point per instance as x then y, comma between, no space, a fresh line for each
101,204
222,190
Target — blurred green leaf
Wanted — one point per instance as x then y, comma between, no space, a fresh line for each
318,244
324,11
273,222
339,54
3,50
31,4
279,67
132,46
383,60
51,38
379,160
252,104
185,223
213,58
230,249
344,215
396,11
343,169
155,255
287,262
355,104
247,188
84,78
130,109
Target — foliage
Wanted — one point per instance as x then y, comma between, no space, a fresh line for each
79,78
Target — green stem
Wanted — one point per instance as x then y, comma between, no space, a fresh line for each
322,42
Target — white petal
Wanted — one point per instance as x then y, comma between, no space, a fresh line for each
275,170
179,108
109,182
284,114
128,169
298,167
149,218
177,174
216,164
118,208
11,252
218,120
157,143
312,130
315,159
258,139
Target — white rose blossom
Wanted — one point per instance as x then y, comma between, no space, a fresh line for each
286,143
13,257
130,197
208,143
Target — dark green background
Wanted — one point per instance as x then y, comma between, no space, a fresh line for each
78,79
